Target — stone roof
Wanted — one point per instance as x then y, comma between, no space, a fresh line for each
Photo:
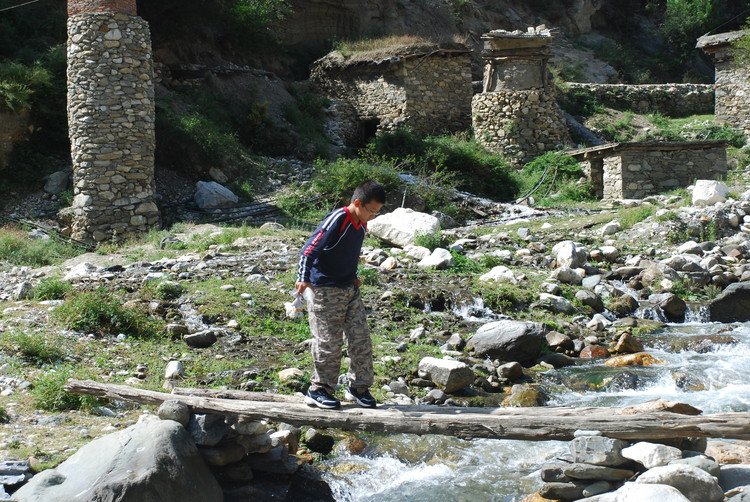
612,148
337,61
719,39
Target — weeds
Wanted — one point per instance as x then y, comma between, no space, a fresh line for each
52,289
35,347
49,392
430,240
18,249
628,217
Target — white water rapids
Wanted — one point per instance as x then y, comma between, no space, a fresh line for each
705,365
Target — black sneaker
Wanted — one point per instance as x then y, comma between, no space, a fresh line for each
363,399
322,399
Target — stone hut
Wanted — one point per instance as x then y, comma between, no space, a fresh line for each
517,113
425,87
637,170
732,81
111,120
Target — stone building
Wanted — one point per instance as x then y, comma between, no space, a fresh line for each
111,120
517,113
637,170
426,88
732,81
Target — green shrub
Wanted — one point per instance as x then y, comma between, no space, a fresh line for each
17,249
169,290
49,392
686,20
368,275
19,83
36,347
505,297
632,215
337,180
103,313
562,174
52,289
429,240
464,265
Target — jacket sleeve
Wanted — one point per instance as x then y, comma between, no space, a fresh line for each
315,245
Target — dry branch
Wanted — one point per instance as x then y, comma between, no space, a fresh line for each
539,424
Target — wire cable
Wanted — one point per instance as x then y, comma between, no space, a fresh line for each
19,5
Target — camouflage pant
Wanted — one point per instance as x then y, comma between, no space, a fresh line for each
335,314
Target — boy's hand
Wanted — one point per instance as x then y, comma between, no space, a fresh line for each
302,286
358,283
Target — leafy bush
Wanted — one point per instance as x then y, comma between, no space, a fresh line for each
686,20
169,290
19,82
18,249
562,173
52,289
368,275
464,265
430,241
337,180
102,313
49,392
36,347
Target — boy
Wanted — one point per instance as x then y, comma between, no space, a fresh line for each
328,265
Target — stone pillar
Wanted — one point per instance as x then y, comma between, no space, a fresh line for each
517,114
111,120
731,81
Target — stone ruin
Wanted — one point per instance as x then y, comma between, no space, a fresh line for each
639,169
517,112
427,88
732,81
111,120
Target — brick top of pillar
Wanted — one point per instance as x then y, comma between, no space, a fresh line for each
101,6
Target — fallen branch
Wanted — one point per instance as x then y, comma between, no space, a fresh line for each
538,424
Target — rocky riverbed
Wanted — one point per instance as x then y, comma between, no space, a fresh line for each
473,322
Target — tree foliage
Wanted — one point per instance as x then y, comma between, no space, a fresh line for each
686,20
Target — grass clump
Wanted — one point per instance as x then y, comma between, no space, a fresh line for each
102,313
628,217
35,347
18,249
430,240
52,289
561,183
49,392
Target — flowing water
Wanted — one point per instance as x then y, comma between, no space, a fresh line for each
705,365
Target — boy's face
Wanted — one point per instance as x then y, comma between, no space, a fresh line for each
366,212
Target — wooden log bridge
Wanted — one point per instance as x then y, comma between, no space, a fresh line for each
536,424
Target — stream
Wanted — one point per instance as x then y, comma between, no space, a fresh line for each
704,364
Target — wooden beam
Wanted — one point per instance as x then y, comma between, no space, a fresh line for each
538,424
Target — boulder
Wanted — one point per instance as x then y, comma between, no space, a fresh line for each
598,450
611,228
440,259
211,195
569,254
650,454
638,359
673,306
732,305
80,271
447,374
696,484
556,304
499,274
567,275
709,192
402,225
508,340
734,476
57,182
634,492
151,461
590,299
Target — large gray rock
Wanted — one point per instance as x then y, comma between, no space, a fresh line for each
598,450
151,461
508,340
57,182
447,374
211,195
733,476
709,192
402,225
650,454
440,259
556,304
633,492
696,484
569,254
732,305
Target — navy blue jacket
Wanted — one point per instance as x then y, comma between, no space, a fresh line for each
331,255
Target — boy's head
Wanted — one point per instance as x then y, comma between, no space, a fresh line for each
367,200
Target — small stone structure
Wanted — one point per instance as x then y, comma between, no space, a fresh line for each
673,100
425,88
517,113
111,120
732,81
637,170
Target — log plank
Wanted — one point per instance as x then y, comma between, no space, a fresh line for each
537,424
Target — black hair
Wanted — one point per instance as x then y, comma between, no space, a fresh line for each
369,190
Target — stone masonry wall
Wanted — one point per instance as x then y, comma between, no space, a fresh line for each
733,95
637,173
76,7
111,121
519,124
669,99
428,93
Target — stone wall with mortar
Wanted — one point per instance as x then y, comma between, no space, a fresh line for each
111,125
637,170
668,99
733,95
519,124
429,93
